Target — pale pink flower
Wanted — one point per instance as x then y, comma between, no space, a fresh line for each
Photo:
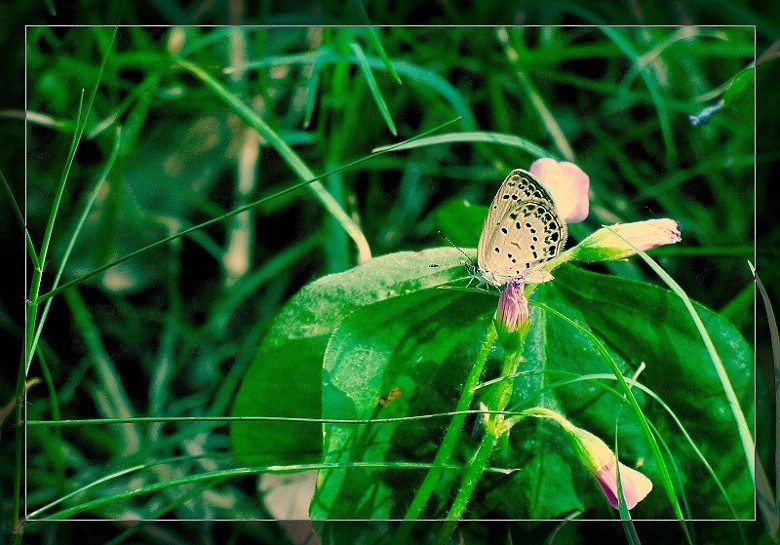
567,184
602,463
623,239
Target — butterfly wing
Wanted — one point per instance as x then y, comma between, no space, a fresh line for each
522,231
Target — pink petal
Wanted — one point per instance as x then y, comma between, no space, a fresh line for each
512,309
622,240
635,485
567,184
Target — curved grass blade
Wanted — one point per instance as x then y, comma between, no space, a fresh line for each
373,86
767,501
373,38
250,117
53,292
221,474
744,430
637,410
481,136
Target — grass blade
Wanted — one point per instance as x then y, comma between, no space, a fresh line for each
489,137
767,502
35,284
744,430
311,90
373,38
373,87
20,219
250,117
232,213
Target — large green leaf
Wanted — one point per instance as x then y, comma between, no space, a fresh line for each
344,343
650,325
419,343
285,378
423,345
420,346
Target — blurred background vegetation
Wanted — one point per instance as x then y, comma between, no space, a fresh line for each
171,331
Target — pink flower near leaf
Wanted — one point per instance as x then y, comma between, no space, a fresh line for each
567,184
511,316
602,463
622,240
635,485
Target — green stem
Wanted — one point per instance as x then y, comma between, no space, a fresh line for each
469,483
512,335
449,442
495,427
499,399
37,278
17,527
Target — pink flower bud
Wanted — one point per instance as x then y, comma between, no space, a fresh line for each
511,316
602,463
623,239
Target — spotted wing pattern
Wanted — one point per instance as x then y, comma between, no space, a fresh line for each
521,232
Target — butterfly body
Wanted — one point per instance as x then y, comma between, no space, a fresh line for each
522,231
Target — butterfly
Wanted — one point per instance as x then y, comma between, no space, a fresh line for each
522,231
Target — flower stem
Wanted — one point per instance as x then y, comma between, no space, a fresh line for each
495,427
449,442
468,484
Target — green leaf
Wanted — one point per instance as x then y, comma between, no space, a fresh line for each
461,222
420,346
739,95
650,325
290,357
344,343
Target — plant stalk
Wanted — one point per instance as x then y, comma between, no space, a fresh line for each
449,442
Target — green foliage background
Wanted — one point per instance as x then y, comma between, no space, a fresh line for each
171,332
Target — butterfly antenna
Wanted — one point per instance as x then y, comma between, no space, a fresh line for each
442,235
471,266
